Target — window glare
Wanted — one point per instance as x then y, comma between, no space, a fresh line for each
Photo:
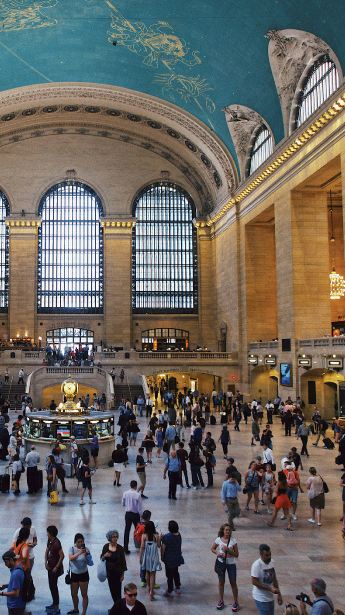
164,251
262,149
70,251
322,81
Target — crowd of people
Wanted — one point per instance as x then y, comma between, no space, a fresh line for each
275,488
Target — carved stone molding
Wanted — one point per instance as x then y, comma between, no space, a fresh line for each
93,96
291,54
243,124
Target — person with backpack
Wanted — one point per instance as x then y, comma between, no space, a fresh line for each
15,586
21,549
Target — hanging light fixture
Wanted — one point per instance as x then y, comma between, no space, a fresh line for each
337,282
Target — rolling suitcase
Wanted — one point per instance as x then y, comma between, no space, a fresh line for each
5,482
213,420
68,469
223,417
328,443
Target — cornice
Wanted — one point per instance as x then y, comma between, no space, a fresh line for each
288,148
77,94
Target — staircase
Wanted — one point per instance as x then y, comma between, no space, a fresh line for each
9,390
128,391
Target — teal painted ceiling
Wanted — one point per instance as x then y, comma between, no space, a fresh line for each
201,55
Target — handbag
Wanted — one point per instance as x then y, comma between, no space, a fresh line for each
177,439
102,571
220,566
338,460
14,485
245,488
273,500
181,560
325,486
68,575
54,498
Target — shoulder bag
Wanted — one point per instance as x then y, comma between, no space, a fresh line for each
325,486
68,575
245,488
220,566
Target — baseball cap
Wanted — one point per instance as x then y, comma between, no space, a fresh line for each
9,555
288,467
231,459
259,457
26,521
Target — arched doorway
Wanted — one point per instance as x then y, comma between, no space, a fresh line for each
320,387
263,383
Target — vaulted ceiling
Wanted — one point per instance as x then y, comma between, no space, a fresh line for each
198,55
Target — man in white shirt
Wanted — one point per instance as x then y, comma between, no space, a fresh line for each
265,583
31,541
267,456
287,460
32,459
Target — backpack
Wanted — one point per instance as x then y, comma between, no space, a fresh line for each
138,532
82,452
28,590
291,480
213,461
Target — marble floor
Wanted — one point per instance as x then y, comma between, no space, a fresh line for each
308,552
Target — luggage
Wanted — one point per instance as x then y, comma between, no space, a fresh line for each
328,443
5,483
54,498
68,467
213,420
39,479
223,417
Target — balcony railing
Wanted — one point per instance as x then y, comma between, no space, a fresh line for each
272,345
321,342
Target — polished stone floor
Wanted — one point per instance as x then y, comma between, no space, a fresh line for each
308,552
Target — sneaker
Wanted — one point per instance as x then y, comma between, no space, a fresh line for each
256,512
193,487
261,502
49,607
294,517
319,524
81,503
143,584
283,517
92,502
311,520
144,496
73,612
204,487
220,605
247,508
235,607
178,590
156,586
314,444
167,594
269,511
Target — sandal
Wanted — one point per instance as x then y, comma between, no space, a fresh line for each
289,529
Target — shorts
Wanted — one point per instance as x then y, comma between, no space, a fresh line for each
79,578
292,495
231,569
118,467
75,461
87,485
253,489
142,477
95,452
133,435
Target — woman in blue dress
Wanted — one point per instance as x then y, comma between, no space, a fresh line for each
159,440
149,556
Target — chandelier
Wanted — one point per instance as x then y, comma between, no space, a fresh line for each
337,282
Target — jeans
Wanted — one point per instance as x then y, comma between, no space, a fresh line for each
196,476
265,608
233,510
173,576
173,480
209,471
130,517
114,584
304,445
53,586
142,575
225,448
184,470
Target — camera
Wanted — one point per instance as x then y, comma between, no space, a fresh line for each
302,597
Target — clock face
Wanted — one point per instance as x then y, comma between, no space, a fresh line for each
69,388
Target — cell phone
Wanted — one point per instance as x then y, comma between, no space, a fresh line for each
3,587
83,546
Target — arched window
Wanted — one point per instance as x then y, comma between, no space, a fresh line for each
70,251
320,83
262,148
4,267
164,251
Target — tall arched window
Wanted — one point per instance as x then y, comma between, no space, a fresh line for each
262,148
70,251
164,251
4,266
320,83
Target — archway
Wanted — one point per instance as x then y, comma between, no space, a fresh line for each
319,387
263,383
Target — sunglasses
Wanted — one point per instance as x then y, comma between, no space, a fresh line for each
132,595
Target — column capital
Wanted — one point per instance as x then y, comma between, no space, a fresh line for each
117,225
18,222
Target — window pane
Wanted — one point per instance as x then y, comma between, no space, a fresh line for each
4,244
262,149
70,251
321,82
164,254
